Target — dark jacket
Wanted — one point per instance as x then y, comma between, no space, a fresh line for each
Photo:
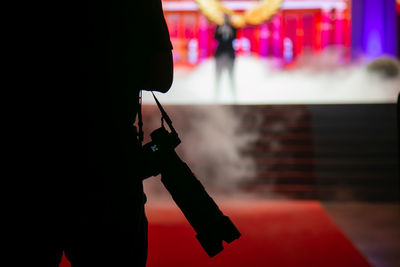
225,40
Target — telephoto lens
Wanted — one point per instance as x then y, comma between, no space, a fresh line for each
211,225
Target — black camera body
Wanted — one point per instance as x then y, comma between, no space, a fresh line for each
211,225
154,153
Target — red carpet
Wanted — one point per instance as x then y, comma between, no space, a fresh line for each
292,233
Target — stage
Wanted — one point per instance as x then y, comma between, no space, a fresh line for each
316,79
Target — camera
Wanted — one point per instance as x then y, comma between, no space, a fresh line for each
159,157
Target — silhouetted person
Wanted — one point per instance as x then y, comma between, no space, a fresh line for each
225,54
93,201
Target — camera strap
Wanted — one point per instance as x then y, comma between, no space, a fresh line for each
140,119
164,118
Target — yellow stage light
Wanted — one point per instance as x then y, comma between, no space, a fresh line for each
214,10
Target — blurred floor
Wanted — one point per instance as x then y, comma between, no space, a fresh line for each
374,228
274,233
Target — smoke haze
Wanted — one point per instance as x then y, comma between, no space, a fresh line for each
211,146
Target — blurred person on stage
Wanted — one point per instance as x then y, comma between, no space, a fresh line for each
225,54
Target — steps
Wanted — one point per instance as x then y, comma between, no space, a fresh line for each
283,152
356,148
327,152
